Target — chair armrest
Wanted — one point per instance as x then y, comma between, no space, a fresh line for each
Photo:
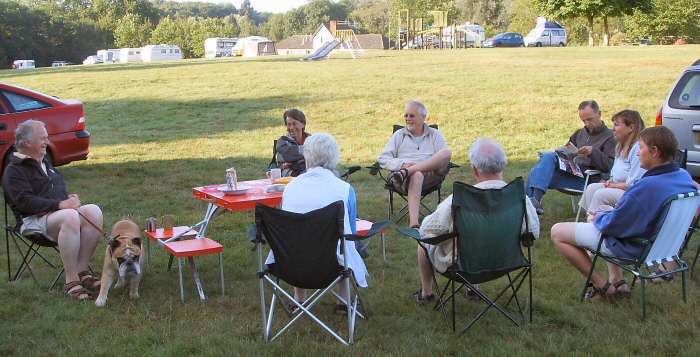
593,172
349,171
374,168
414,234
452,165
376,228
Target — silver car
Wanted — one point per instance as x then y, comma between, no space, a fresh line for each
681,114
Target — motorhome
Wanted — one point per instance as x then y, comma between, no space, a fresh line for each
23,64
127,55
108,56
162,52
219,47
546,33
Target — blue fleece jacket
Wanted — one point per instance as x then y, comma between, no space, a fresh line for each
639,208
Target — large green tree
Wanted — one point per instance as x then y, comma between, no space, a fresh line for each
132,31
669,19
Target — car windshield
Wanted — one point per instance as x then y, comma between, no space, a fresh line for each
686,95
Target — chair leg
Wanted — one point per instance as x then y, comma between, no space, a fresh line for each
573,205
182,286
197,280
221,272
692,267
148,254
55,280
383,246
685,287
644,299
588,278
7,251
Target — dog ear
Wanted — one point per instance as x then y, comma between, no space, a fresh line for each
114,243
136,241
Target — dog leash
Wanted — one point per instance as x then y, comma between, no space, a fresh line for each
107,238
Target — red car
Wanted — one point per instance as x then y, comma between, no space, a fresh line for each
64,118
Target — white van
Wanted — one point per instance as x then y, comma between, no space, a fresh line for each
23,64
546,33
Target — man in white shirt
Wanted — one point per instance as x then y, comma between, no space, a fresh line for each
418,157
488,161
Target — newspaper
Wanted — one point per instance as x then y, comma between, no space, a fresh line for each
566,156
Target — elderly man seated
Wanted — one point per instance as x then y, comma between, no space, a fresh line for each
596,151
317,188
418,157
488,161
635,215
37,191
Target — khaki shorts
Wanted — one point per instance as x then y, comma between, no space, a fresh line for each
35,224
588,236
430,179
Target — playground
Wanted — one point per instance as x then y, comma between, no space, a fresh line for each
159,130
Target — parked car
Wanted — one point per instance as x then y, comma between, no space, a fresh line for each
64,118
506,39
546,33
681,113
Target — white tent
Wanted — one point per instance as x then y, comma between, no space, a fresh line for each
254,46
153,53
219,47
109,56
127,55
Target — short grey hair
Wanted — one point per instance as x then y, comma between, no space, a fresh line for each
321,150
422,109
488,156
24,134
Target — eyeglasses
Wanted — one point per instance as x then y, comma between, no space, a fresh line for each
409,115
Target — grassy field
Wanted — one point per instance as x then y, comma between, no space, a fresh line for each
158,130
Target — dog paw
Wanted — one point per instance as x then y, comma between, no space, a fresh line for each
100,302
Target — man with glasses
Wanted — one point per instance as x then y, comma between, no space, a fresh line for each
417,157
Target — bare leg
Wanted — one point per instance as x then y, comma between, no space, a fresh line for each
89,235
426,273
437,162
299,294
64,227
563,237
415,188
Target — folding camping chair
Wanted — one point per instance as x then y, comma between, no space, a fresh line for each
375,169
305,246
487,234
663,247
574,193
34,244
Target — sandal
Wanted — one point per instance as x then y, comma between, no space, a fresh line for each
88,280
620,292
597,294
663,278
399,180
340,309
422,299
76,291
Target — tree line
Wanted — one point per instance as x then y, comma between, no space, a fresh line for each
47,30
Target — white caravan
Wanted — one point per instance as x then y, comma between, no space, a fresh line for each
219,47
23,64
254,46
127,55
154,53
546,33
108,56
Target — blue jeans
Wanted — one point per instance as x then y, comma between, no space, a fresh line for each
546,175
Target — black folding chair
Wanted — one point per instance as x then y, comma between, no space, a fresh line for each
376,170
487,234
304,247
29,246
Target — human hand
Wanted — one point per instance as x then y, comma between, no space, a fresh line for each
407,165
585,150
72,202
286,165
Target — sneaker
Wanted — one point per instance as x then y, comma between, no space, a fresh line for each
538,206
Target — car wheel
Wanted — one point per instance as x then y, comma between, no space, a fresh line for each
539,44
562,44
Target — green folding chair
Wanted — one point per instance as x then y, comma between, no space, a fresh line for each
487,232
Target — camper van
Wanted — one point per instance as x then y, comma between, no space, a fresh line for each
23,64
162,52
219,47
546,33
127,55
108,56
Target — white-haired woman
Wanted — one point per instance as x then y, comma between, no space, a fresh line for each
317,188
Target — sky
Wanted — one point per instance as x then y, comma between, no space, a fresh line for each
268,5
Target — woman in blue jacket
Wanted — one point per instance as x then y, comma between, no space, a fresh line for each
635,215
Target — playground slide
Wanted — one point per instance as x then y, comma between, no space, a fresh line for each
323,51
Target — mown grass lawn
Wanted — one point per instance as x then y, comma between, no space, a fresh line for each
158,130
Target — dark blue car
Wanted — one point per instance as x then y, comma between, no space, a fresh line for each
506,39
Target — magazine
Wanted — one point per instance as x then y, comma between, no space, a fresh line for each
566,156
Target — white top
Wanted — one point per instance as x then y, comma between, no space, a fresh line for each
403,147
628,169
317,188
